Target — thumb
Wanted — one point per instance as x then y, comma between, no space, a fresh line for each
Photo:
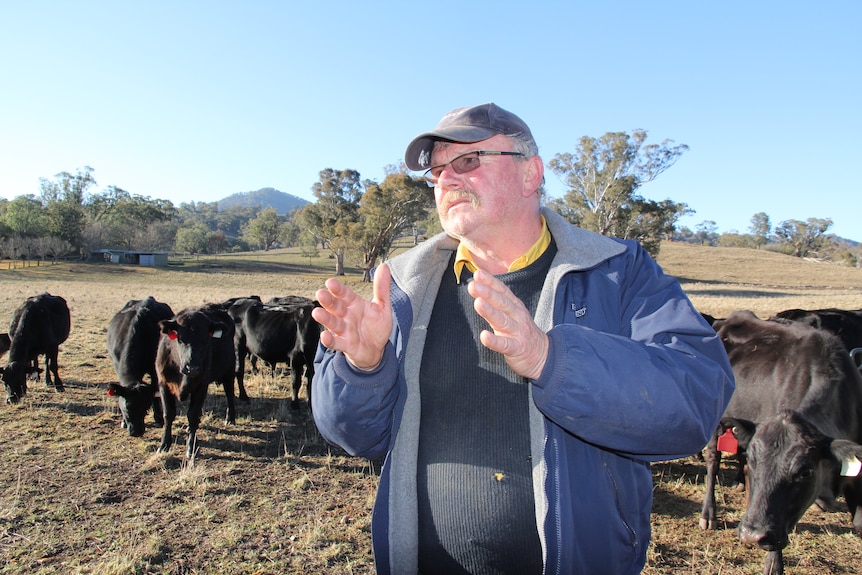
382,282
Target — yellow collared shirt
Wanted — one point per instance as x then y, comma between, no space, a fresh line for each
463,257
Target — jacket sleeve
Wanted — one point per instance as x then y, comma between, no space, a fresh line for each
352,408
652,381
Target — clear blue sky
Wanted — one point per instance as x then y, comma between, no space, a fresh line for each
194,101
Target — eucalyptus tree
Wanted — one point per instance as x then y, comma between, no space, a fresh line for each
604,174
264,230
25,217
760,229
386,211
330,220
804,239
64,199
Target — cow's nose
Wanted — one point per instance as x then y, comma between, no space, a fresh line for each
766,539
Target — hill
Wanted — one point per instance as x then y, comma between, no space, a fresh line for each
263,198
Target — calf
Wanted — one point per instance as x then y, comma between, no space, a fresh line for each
277,333
133,339
38,327
196,348
797,415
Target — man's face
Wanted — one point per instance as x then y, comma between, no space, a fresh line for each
478,204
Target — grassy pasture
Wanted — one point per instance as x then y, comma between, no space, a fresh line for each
267,495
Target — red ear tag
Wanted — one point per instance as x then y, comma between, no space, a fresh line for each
111,393
727,443
172,334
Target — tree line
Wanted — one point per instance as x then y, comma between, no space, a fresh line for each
357,221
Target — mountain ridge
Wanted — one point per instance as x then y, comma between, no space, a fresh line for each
283,202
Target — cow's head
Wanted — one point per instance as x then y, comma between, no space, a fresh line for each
15,379
790,465
192,335
134,403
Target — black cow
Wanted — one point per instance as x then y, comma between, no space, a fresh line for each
797,415
277,333
133,339
196,348
38,327
845,323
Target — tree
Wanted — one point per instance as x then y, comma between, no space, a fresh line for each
64,204
707,232
649,222
385,211
604,174
330,219
192,239
122,217
804,238
264,230
216,242
25,217
760,228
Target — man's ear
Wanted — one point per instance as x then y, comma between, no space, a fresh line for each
533,175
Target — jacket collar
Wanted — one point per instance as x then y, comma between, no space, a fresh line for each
577,249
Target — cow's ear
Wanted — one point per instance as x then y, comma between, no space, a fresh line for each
218,329
116,390
168,326
742,429
849,456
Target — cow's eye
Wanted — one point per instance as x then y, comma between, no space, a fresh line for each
805,473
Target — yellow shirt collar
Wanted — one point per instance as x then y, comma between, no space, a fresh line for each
463,257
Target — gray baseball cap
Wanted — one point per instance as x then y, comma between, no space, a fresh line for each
465,125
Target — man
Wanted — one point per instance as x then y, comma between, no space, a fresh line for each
518,373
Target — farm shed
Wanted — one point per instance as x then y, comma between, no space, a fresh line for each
133,258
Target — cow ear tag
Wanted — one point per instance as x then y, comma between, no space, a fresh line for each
217,334
851,467
727,443
172,334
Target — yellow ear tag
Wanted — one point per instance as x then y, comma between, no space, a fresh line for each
851,467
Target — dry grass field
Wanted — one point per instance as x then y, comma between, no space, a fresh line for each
267,496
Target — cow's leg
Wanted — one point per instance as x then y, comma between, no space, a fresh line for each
852,489
774,563
196,407
309,375
230,416
712,457
169,406
51,367
158,416
241,352
295,381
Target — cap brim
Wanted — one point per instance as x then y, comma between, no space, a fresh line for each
418,154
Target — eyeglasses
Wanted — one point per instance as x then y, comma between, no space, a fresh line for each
462,164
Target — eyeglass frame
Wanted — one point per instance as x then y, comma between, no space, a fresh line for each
431,180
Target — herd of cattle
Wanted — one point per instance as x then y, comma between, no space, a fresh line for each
794,422
181,353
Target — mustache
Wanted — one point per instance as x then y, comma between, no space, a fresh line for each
453,196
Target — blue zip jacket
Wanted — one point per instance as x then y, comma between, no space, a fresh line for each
634,375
